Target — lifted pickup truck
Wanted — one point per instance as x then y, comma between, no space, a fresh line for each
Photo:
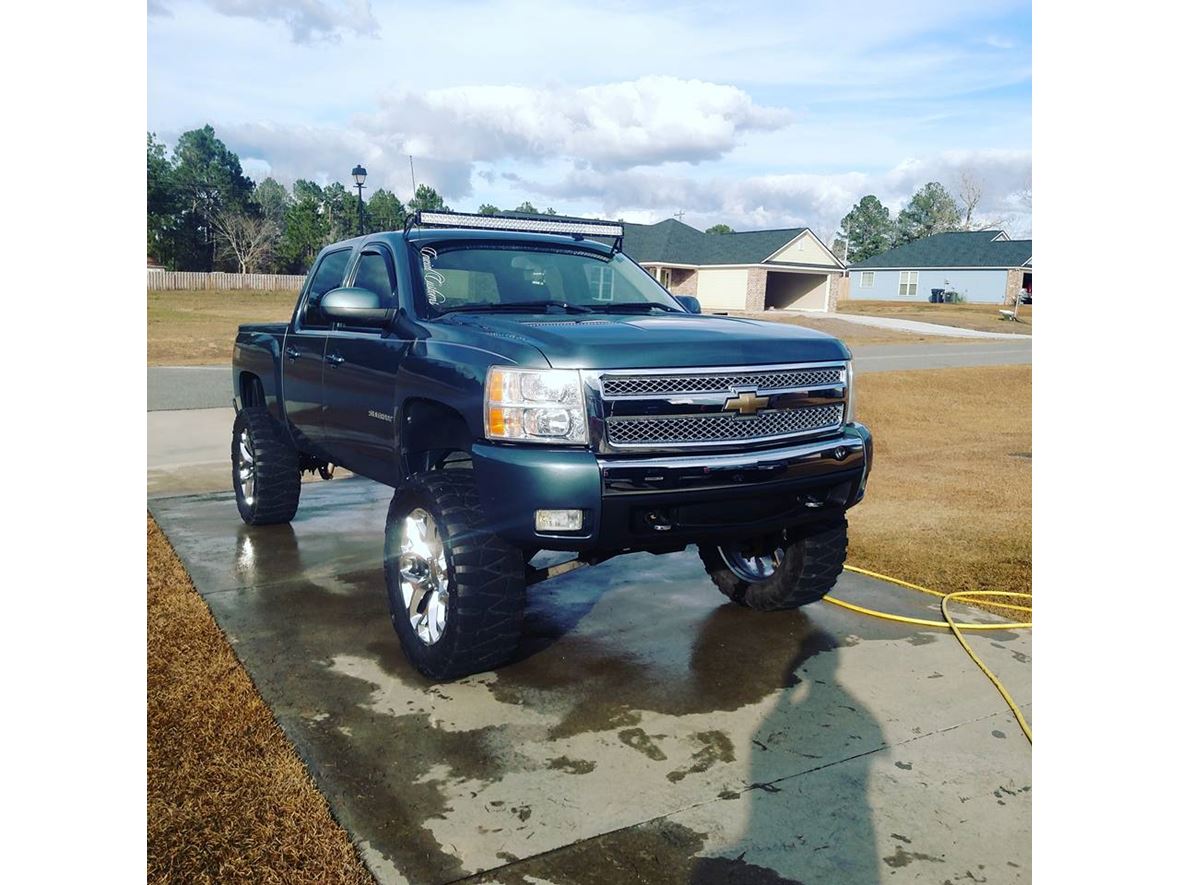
524,386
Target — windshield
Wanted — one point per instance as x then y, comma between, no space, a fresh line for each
514,277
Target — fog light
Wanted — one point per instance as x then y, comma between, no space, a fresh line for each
558,520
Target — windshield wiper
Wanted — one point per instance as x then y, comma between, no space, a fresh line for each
636,307
520,307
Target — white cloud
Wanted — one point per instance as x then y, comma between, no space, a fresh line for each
694,119
308,20
813,200
648,121
325,154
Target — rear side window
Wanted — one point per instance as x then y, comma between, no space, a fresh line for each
328,276
372,273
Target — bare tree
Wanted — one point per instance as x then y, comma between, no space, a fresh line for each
250,240
1024,196
970,195
831,238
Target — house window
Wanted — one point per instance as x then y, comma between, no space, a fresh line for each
665,278
867,279
907,282
602,283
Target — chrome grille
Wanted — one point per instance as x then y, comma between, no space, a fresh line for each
615,386
714,428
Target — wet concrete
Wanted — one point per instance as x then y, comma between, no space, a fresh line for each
648,731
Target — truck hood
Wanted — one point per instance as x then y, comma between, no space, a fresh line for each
607,341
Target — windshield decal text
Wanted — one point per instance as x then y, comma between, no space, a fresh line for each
434,279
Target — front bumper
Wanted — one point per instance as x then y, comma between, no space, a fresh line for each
663,501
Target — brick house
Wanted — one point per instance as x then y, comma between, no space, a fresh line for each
744,270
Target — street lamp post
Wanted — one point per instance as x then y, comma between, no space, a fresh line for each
359,173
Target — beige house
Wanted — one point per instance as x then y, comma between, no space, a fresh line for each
746,270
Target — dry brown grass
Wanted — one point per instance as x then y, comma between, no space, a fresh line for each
983,317
192,328
949,503
228,798
852,334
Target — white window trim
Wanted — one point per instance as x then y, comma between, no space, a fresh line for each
905,279
868,279
603,290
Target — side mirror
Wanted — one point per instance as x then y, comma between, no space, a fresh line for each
355,307
689,303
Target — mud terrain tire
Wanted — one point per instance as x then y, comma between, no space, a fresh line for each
811,561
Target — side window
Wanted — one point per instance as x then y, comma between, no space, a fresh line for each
328,276
907,282
372,273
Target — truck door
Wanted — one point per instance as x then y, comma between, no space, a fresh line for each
303,353
360,371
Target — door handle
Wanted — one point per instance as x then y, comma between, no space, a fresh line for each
335,359
292,353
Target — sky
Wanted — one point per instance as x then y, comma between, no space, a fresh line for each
756,115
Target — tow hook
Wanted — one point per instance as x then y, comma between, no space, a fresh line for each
657,521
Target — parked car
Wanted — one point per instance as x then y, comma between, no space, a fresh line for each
523,385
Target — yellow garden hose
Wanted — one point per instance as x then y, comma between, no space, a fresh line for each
950,623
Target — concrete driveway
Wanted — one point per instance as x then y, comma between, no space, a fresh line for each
649,731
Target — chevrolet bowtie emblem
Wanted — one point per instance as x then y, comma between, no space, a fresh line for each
746,403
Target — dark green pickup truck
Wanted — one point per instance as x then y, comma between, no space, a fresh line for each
524,386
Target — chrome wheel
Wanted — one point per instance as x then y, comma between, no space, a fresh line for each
751,568
247,470
423,574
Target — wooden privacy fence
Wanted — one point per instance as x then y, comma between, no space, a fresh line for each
183,279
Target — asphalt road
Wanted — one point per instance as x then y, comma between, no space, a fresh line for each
648,729
210,387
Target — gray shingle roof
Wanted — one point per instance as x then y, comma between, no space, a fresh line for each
978,248
677,243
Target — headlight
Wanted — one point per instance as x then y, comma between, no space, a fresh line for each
850,410
534,405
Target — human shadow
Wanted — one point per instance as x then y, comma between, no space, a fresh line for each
802,814
808,811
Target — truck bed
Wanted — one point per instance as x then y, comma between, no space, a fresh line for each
276,329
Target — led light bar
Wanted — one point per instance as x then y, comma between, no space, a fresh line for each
586,227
